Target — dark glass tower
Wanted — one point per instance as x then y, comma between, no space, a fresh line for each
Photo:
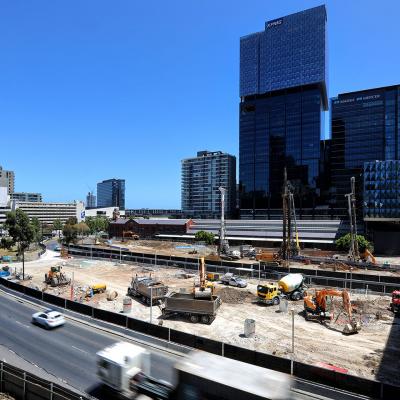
365,128
111,193
283,96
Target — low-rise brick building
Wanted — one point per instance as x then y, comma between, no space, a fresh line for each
148,228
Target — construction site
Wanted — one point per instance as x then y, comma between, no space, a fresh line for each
345,329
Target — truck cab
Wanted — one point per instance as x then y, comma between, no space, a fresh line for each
268,293
395,303
119,363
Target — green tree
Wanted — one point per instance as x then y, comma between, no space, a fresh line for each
344,243
97,224
57,226
203,236
6,243
70,234
82,229
37,229
21,231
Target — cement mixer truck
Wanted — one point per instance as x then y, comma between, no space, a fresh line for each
290,286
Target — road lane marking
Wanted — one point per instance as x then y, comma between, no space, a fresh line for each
20,323
77,348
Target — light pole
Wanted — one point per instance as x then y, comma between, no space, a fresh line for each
292,361
151,304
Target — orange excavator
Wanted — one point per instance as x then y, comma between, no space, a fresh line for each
315,307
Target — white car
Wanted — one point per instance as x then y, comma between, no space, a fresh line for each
48,319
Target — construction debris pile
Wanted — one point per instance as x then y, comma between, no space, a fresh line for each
233,296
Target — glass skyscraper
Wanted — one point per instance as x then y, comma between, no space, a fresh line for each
365,128
111,193
283,99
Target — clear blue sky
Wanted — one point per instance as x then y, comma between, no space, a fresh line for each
91,90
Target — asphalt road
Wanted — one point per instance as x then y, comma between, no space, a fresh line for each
67,352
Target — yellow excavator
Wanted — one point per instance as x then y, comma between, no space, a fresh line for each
203,289
315,307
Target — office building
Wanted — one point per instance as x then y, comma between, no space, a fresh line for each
7,179
283,98
47,213
90,200
111,193
107,212
201,178
381,191
23,196
365,127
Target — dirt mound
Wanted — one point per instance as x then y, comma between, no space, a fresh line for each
235,296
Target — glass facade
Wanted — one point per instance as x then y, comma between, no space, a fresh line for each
111,193
365,127
278,130
201,178
283,98
290,52
381,190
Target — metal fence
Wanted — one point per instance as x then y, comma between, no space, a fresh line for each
376,283
23,385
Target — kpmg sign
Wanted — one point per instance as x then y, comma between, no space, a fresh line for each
274,23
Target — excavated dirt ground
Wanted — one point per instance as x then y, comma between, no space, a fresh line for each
374,352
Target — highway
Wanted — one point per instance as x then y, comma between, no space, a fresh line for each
67,352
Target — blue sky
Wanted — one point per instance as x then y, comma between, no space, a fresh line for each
91,90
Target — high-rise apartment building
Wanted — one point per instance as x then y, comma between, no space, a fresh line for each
23,196
90,200
283,99
7,179
365,127
201,178
111,193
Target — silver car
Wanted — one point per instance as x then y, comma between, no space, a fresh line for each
239,282
48,319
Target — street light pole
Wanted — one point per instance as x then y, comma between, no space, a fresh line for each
292,361
151,304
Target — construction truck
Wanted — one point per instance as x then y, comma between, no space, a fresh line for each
290,287
147,289
195,308
56,278
270,258
317,307
131,370
395,303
